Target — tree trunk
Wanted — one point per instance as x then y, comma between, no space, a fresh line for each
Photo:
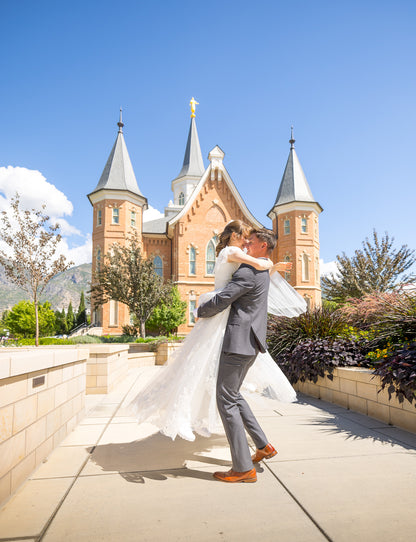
142,329
37,323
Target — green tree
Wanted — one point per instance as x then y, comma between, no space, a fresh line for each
125,276
377,267
82,311
29,260
70,318
168,315
21,320
60,325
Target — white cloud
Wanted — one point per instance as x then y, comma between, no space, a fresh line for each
328,268
151,214
66,229
34,191
77,254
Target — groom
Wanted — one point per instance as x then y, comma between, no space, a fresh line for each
245,336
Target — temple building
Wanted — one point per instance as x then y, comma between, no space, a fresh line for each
182,243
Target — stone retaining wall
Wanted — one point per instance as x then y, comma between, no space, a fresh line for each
165,350
42,399
359,390
107,366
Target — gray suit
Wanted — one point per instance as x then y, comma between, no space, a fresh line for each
245,336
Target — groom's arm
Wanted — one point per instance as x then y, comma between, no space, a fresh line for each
243,280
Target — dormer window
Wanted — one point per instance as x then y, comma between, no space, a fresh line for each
181,199
116,216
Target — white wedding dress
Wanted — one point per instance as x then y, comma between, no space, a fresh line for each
181,400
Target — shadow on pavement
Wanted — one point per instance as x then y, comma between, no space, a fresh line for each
158,458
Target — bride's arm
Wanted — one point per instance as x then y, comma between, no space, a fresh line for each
240,256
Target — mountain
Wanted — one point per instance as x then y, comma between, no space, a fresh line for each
60,291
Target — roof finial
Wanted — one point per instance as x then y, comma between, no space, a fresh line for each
193,103
120,122
291,140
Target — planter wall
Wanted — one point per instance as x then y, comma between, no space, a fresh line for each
42,399
164,351
359,390
107,366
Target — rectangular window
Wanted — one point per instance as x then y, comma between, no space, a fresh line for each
133,219
287,227
99,217
304,225
116,216
192,307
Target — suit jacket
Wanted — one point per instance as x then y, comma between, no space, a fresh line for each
247,323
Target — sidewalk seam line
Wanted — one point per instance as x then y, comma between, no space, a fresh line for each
40,537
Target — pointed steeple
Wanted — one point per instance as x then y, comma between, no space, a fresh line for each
192,167
118,173
293,187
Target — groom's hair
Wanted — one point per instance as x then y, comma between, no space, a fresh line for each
266,236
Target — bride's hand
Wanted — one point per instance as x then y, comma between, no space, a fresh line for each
281,266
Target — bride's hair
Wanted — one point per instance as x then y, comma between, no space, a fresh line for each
235,226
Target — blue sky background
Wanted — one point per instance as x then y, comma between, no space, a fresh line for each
343,73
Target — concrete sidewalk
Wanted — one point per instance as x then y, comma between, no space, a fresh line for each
338,476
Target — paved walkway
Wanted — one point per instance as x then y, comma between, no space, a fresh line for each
338,476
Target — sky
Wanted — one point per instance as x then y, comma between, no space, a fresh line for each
342,73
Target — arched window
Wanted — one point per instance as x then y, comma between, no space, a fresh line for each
308,302
210,256
158,265
317,270
305,268
181,199
287,273
192,261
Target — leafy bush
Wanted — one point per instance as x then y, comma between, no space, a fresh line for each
312,358
44,341
397,323
284,334
168,315
398,373
85,339
130,330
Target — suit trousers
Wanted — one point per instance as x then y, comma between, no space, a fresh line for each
235,413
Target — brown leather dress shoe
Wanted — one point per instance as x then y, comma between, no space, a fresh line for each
233,476
265,453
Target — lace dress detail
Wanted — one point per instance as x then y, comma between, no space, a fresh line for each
181,400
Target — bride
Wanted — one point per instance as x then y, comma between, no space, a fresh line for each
181,400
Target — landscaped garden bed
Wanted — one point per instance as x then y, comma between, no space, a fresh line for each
361,355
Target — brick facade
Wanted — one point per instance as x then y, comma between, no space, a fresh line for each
182,243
